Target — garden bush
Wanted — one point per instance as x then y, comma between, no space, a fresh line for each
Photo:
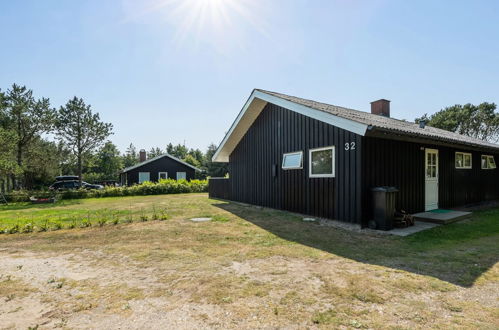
168,186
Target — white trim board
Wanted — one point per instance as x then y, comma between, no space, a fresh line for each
254,106
156,158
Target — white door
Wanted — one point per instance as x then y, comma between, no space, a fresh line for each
431,179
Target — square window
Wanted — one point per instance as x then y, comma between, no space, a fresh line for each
463,160
322,162
181,176
292,160
162,175
488,162
144,176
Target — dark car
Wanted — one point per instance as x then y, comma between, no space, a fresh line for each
67,178
73,184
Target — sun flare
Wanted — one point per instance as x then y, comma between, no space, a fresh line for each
219,23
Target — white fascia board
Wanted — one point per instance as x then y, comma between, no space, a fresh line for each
156,158
222,155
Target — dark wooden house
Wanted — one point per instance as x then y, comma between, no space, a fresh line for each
161,167
313,158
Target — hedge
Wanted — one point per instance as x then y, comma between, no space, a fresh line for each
168,186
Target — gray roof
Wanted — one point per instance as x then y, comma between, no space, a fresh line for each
387,124
156,158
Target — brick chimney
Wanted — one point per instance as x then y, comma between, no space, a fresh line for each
381,107
142,155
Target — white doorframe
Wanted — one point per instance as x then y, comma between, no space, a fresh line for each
431,179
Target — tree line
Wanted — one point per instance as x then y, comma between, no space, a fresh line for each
39,142
477,121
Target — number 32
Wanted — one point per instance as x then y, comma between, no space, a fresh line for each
350,146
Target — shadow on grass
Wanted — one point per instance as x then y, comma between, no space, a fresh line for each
458,253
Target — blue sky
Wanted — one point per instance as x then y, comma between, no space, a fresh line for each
180,70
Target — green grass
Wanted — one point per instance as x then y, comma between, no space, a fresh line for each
92,210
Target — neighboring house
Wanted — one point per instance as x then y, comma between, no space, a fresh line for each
161,167
313,158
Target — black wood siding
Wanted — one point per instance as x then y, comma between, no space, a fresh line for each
164,164
259,155
219,188
402,164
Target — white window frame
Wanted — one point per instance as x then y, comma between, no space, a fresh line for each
487,157
292,167
149,173
464,167
159,175
333,155
184,173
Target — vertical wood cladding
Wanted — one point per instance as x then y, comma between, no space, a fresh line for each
402,164
257,178
219,188
164,164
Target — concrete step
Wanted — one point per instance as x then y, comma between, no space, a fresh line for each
442,218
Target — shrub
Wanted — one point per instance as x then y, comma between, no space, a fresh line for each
56,226
43,227
13,229
27,228
85,223
166,186
163,216
101,222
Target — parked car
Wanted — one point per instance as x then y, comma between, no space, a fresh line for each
74,184
66,178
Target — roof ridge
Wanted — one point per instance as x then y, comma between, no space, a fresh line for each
156,158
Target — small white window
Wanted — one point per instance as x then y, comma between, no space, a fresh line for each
162,175
144,176
488,162
321,162
292,160
181,176
463,160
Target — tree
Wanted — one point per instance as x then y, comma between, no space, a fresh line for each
154,152
81,129
197,155
8,164
477,121
130,157
193,161
214,169
108,161
41,163
180,151
27,117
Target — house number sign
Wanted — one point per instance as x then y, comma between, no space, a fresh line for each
350,146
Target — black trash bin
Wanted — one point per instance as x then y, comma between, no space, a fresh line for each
383,207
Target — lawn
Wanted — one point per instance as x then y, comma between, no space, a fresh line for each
250,268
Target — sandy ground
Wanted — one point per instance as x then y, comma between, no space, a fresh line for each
66,291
